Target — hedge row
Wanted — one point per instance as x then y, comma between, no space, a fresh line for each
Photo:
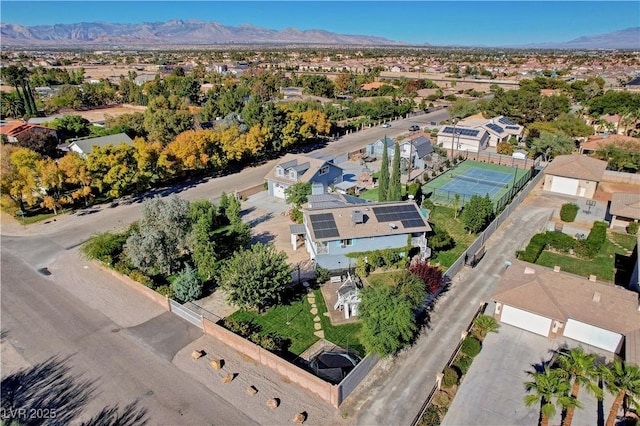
591,246
539,242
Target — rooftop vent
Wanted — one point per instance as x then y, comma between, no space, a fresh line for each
393,226
357,216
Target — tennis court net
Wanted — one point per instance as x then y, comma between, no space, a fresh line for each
476,180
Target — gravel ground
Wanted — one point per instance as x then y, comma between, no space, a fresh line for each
293,399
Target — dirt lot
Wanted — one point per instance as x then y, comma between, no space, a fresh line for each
100,114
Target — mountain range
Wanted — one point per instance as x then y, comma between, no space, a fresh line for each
193,33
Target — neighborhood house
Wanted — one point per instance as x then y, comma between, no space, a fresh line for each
576,175
294,169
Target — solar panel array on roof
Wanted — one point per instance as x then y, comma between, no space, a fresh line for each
461,132
513,127
324,226
407,215
505,120
495,128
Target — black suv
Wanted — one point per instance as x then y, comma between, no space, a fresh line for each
414,128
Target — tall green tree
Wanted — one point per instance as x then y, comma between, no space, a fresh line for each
550,145
160,240
582,369
255,278
477,213
395,193
483,325
388,323
623,381
548,389
383,180
298,193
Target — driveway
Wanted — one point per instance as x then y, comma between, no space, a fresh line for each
492,392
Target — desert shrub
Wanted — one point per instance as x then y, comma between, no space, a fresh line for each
560,241
534,248
296,215
450,378
322,274
568,212
138,276
462,364
471,346
105,247
241,328
431,417
271,341
165,290
632,229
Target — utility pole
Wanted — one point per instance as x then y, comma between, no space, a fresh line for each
453,135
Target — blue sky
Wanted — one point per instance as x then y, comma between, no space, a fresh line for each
499,23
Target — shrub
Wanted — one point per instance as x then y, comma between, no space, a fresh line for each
138,276
450,378
431,417
188,285
322,274
471,346
590,247
241,328
560,241
533,249
632,229
441,240
568,212
462,364
105,247
295,215
165,290
428,204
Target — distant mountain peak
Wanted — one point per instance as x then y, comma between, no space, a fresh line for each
176,32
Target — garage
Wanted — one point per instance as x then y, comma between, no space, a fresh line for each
526,320
593,336
563,185
278,190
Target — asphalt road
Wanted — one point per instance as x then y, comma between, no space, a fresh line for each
100,365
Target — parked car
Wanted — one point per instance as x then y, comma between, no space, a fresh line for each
386,125
414,128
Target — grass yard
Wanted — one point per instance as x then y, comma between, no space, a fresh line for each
370,194
299,330
443,218
382,278
601,266
346,335
625,240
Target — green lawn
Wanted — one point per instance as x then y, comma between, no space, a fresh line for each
625,240
601,266
382,278
370,194
346,335
443,218
299,330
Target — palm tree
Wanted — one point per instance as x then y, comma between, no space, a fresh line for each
582,368
483,325
622,380
550,385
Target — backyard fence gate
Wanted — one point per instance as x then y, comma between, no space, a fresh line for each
186,313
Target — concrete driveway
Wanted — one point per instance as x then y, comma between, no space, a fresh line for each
492,392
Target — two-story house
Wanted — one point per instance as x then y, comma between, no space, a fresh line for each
416,151
375,149
331,233
294,169
462,138
501,129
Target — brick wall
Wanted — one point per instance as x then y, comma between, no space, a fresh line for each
295,374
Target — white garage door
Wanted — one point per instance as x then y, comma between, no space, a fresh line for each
278,190
563,185
594,336
526,320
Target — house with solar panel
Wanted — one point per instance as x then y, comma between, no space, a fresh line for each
333,231
294,168
463,138
500,128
